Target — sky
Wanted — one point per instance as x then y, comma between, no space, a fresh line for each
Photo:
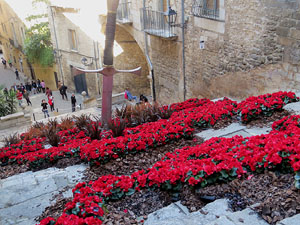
87,19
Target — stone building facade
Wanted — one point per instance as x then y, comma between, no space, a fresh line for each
72,44
231,48
12,37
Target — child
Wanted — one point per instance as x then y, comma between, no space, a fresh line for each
51,102
45,108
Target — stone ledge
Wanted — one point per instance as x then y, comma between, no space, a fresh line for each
116,99
16,119
12,116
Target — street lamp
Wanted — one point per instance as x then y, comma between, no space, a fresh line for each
85,62
171,16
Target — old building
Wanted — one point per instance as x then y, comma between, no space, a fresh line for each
76,48
12,37
215,48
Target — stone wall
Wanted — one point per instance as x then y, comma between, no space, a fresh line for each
252,49
131,57
239,59
14,120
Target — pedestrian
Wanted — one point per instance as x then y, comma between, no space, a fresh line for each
45,108
43,86
129,96
28,87
12,90
39,86
48,92
22,88
73,102
63,91
10,63
51,102
33,84
143,99
17,74
19,97
26,96
4,62
5,91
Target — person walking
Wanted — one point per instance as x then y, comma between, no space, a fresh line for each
43,86
45,108
28,87
26,96
51,102
73,102
63,91
10,63
17,74
33,84
48,92
39,86
4,62
19,96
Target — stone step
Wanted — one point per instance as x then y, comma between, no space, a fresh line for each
177,214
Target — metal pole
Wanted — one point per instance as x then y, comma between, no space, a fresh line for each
147,55
183,48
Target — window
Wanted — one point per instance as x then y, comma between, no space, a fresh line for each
206,8
22,34
4,28
72,40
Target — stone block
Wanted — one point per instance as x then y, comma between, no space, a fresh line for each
223,220
295,34
27,210
288,23
294,220
173,212
247,216
282,31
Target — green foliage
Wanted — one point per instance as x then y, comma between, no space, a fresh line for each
7,103
38,45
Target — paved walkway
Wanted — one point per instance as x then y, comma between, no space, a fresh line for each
25,196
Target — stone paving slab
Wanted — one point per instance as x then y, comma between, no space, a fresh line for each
294,220
178,214
25,196
234,129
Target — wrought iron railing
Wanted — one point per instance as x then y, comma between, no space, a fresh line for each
155,23
123,13
200,9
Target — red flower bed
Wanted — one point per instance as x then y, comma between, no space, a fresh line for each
218,159
253,107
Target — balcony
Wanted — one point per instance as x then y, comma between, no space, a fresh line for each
202,8
155,23
123,13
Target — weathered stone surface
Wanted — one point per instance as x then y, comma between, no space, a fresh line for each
179,215
294,220
25,196
232,128
293,107
247,216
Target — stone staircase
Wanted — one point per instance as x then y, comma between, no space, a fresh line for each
215,213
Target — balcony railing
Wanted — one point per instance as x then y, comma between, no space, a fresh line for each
123,13
155,23
200,9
